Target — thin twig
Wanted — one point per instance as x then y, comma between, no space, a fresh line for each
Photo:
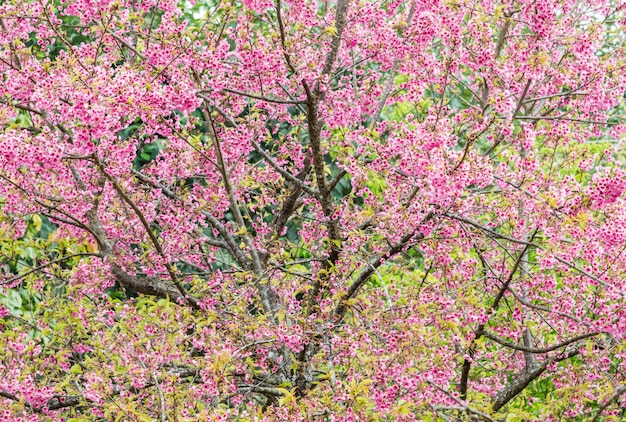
616,395
47,264
262,98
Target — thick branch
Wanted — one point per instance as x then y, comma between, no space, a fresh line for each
522,379
501,37
334,235
340,23
153,286
55,403
290,204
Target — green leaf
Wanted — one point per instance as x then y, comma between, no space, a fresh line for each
76,369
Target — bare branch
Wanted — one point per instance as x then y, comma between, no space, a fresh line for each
47,264
336,179
234,205
547,97
517,264
261,98
294,179
128,45
539,350
291,203
568,119
520,101
497,235
536,307
263,390
493,233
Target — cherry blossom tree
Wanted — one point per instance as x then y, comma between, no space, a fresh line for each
312,210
